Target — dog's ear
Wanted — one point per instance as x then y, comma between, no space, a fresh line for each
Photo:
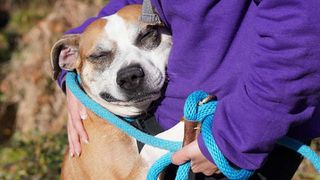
68,59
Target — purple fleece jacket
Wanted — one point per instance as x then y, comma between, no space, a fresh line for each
260,58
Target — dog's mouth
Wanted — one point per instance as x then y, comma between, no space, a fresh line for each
138,98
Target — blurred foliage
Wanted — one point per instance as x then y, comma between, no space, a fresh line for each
2,97
34,157
24,14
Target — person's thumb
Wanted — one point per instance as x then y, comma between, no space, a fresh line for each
181,156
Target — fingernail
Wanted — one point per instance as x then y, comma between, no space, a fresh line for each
78,154
83,116
71,154
86,141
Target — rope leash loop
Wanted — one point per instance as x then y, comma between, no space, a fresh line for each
200,107
159,166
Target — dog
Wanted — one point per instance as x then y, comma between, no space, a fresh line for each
121,63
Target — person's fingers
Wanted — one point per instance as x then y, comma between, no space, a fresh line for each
72,105
71,148
75,109
208,172
204,168
209,169
77,124
74,139
181,156
82,111
195,169
199,163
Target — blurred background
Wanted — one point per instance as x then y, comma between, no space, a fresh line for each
32,108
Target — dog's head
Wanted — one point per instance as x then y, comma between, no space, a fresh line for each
121,61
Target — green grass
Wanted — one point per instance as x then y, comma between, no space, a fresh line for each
39,157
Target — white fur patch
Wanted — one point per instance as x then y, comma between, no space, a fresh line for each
150,154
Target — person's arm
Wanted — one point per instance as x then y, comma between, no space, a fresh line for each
112,7
282,88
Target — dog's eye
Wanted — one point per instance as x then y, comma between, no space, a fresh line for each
100,57
102,54
148,38
144,36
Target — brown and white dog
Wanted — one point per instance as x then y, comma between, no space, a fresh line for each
121,63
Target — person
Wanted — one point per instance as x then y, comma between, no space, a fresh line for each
261,58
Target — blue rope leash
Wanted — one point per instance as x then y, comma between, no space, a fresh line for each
159,166
302,149
204,114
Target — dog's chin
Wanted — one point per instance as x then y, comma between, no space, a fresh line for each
133,107
127,110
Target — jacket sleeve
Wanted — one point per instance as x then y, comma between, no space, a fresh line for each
112,7
282,88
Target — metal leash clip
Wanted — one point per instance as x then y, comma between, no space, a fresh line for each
205,100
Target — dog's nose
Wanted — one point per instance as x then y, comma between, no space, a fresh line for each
130,78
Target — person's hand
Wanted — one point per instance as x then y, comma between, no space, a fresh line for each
76,113
199,163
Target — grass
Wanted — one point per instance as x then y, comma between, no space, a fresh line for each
39,157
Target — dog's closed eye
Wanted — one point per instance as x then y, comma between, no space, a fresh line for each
148,38
101,59
100,56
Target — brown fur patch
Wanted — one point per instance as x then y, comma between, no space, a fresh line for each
110,154
130,13
88,41
90,36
